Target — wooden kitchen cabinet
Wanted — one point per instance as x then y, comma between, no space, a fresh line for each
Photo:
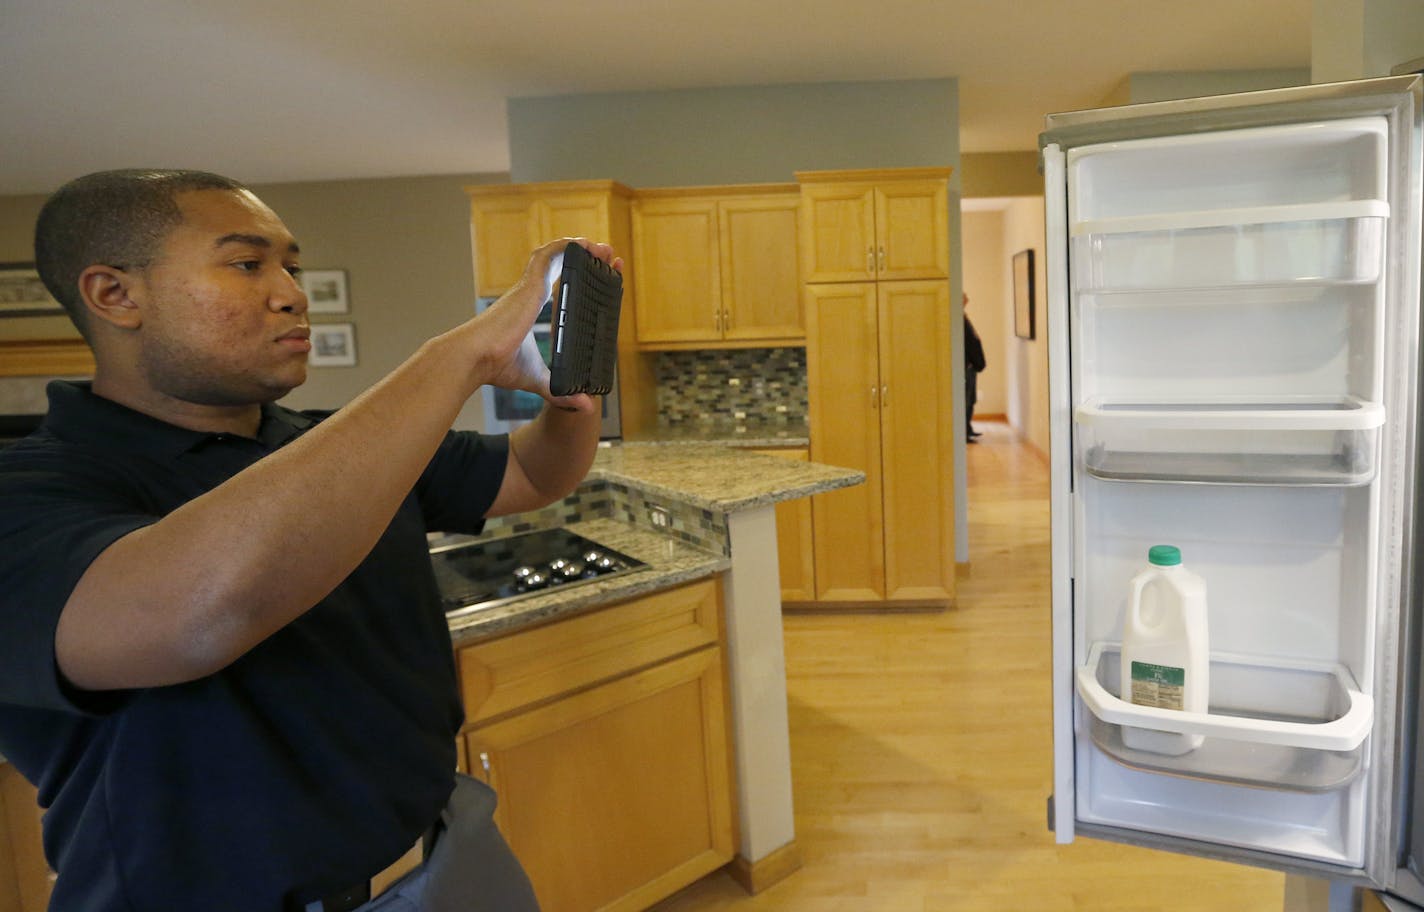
718,269
507,221
25,878
881,400
606,737
794,538
880,225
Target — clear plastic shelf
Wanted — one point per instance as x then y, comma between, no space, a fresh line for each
1272,723
1286,441
1318,243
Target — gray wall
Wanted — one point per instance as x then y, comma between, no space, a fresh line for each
736,135
1354,39
1170,85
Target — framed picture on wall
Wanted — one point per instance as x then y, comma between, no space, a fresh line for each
325,290
22,294
1023,294
333,345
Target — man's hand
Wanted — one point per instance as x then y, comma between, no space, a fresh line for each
512,359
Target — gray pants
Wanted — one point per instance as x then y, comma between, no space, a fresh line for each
471,868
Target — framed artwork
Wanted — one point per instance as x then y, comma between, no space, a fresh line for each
325,290
1023,294
333,345
22,294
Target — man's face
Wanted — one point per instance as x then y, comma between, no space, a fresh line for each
224,319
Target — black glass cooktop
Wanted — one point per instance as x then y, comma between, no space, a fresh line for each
488,573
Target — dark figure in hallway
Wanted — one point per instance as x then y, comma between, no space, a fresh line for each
973,363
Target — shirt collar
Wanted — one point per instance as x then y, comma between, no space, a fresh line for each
76,413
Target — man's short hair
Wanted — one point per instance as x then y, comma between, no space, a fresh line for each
118,218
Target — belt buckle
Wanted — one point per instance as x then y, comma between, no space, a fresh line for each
409,861
353,897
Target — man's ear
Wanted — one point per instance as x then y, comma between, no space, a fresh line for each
110,294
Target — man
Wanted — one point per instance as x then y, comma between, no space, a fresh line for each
974,364
224,661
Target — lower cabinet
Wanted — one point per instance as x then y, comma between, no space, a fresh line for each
606,739
25,879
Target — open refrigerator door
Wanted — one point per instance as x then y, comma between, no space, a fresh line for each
1233,294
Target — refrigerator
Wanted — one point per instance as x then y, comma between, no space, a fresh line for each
1233,306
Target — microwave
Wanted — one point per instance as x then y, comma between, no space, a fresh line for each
505,410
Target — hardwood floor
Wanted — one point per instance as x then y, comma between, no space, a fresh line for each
921,749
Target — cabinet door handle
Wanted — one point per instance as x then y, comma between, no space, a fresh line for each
885,397
726,320
870,259
485,765
881,261
717,319
874,397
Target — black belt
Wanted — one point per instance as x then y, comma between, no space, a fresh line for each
354,896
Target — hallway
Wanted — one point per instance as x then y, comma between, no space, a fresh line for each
921,749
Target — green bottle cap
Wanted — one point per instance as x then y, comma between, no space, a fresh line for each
1164,555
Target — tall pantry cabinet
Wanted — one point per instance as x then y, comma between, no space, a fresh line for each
875,259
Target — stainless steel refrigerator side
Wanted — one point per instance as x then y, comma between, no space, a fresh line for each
1060,421
1391,741
1407,803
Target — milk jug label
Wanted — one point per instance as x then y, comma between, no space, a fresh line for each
1157,685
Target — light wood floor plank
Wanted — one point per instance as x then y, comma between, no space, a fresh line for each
921,750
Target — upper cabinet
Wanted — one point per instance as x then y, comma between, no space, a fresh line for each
717,268
860,226
507,221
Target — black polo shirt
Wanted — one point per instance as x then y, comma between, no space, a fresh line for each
306,765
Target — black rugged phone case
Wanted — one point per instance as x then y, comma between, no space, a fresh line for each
584,330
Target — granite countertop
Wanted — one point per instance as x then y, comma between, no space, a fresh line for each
735,433
669,561
717,478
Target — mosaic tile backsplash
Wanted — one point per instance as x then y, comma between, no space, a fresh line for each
723,385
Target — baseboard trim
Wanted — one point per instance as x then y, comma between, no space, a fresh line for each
755,876
867,607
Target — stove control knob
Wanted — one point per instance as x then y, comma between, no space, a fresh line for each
523,573
606,564
557,565
570,569
592,557
536,580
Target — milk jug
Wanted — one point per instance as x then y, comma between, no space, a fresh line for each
1165,657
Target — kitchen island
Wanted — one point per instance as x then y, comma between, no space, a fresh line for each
689,512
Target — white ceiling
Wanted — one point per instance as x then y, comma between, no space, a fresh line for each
282,90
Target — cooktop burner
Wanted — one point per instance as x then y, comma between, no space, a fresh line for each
487,573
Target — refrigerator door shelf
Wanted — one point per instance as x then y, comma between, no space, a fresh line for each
1281,165
1270,766
1255,700
1301,213
1288,441
1174,252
